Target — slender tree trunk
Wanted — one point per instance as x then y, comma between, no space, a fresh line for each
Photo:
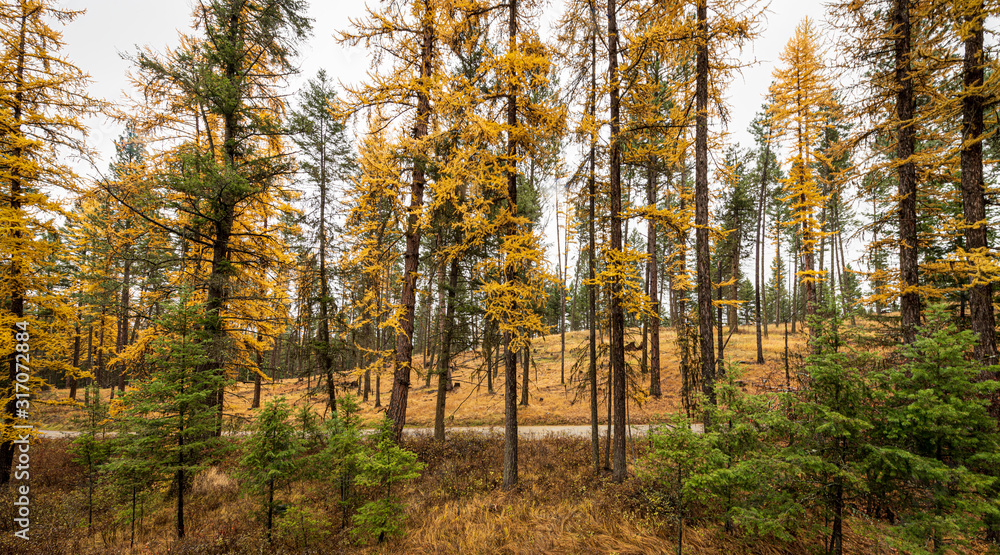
843,269
411,257
651,250
808,258
71,380
426,337
325,353
591,256
973,195
906,172
562,300
837,534
526,364
101,376
720,354
180,488
779,279
90,354
759,244
123,322
701,206
446,339
488,345
441,309
270,508
795,285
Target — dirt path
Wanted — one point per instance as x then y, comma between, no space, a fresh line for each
527,432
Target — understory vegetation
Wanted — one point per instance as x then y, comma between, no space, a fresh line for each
862,453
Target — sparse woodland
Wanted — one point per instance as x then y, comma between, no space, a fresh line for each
274,321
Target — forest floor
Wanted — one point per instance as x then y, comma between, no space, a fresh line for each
550,402
455,506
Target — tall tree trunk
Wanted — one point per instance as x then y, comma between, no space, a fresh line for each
562,298
973,196
325,352
617,314
778,280
411,257
906,172
701,200
734,271
511,273
17,288
654,324
591,254
759,244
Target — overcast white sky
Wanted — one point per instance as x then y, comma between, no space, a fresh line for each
110,28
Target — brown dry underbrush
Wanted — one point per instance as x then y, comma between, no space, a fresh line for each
456,506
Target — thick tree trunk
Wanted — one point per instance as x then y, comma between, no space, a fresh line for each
511,274
617,313
411,257
973,195
255,404
17,288
906,172
701,200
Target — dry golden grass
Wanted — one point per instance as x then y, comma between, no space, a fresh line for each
469,404
455,507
